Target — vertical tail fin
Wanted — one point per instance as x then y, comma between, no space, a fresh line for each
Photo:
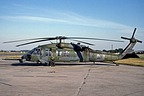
128,51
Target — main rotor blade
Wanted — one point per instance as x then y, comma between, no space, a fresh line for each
94,39
60,38
28,40
31,42
48,38
83,42
134,33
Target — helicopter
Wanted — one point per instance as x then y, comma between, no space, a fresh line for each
60,50
67,52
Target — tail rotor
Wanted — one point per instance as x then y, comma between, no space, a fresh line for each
132,39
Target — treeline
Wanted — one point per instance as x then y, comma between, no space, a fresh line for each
119,50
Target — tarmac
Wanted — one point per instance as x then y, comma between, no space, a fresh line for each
70,79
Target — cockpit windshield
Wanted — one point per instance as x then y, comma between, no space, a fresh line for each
35,51
31,51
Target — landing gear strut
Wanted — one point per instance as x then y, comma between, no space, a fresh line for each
51,63
22,60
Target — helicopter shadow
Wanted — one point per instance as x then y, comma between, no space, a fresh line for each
84,63
64,64
27,64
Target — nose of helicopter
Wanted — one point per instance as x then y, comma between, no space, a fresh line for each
25,57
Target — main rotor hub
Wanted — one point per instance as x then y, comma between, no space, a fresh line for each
60,37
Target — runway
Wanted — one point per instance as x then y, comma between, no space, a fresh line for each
70,79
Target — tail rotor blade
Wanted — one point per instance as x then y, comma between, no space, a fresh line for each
139,41
134,33
126,38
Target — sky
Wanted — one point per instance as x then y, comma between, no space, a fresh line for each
108,19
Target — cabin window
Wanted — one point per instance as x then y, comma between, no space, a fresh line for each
48,52
66,53
59,52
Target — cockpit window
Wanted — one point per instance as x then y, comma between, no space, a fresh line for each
38,50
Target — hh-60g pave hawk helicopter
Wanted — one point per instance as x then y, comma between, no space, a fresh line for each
67,52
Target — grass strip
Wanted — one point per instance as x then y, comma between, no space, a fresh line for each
131,61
